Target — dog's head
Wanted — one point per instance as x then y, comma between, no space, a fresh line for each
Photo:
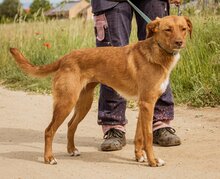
170,31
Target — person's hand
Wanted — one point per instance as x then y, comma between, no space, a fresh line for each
176,2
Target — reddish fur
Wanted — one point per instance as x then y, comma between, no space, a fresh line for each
134,70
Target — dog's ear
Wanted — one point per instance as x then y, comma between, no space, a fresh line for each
152,27
189,23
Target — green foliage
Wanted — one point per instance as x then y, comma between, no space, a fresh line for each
201,7
12,10
42,43
9,8
39,6
196,80
186,1
218,11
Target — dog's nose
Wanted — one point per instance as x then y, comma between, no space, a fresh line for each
179,43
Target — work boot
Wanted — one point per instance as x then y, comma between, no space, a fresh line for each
114,140
166,137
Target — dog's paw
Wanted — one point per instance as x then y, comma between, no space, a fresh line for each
75,153
142,157
50,160
160,162
53,161
157,163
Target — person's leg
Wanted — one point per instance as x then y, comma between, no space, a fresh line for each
164,134
164,108
115,24
153,9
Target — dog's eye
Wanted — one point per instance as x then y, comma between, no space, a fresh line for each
184,29
168,30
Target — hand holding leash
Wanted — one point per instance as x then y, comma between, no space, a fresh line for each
176,2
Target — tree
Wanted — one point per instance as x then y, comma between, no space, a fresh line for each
39,6
9,8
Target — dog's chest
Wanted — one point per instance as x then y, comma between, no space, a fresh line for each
165,83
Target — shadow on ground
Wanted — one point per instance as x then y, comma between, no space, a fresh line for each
27,137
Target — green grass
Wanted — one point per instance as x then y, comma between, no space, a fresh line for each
62,36
195,81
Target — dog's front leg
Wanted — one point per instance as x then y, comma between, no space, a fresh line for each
146,108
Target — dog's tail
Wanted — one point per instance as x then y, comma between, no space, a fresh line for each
36,71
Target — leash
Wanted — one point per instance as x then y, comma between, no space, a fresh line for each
144,16
179,12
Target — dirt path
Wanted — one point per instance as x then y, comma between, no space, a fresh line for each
23,118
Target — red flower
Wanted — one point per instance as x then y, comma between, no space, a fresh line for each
47,44
37,33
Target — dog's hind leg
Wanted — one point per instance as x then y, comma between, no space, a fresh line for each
81,109
140,154
66,91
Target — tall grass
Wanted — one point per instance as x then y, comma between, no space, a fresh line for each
42,43
195,81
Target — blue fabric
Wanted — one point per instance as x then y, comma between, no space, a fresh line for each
111,109
102,5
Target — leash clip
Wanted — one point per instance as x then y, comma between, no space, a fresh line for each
179,12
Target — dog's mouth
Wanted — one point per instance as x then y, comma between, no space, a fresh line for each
176,47
169,48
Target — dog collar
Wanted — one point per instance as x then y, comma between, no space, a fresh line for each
173,53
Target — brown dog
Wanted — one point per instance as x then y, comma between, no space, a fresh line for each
139,70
